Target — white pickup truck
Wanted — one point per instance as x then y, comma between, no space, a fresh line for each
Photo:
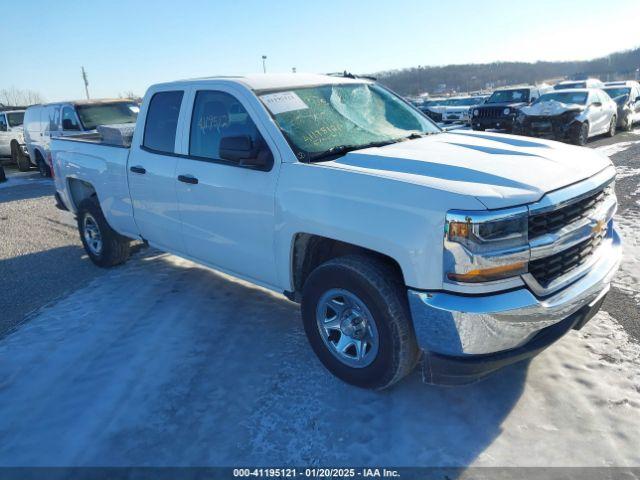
461,252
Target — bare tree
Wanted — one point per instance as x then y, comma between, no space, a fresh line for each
129,94
15,97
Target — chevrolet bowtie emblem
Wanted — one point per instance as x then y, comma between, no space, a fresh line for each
599,226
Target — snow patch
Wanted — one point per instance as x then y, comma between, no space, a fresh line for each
614,148
24,178
164,362
624,171
628,277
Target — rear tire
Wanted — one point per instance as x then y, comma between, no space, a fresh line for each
371,294
43,168
105,247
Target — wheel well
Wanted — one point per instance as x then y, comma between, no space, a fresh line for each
80,190
310,251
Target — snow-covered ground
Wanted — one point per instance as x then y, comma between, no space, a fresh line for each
163,362
23,178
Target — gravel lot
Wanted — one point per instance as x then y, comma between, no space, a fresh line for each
41,257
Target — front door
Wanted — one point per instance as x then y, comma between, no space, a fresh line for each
152,174
228,215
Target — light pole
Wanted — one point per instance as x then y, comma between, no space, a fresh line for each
264,64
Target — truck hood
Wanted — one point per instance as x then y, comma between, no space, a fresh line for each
514,105
551,108
499,170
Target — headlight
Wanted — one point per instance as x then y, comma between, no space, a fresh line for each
506,111
486,246
476,112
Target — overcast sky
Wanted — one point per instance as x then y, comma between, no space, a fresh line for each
129,45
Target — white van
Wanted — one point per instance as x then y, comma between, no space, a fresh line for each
41,122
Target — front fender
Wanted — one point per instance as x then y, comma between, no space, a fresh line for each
399,219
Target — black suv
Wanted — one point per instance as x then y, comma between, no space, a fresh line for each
501,108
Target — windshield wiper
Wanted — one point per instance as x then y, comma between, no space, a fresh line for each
339,150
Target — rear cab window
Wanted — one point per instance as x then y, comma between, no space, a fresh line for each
162,121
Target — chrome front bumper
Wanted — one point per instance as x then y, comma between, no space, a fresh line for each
458,325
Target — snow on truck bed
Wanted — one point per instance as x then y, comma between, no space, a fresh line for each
163,362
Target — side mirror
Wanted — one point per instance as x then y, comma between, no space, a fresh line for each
242,150
67,124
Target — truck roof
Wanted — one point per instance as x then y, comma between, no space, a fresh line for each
93,101
274,81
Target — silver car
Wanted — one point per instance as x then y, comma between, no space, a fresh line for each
573,115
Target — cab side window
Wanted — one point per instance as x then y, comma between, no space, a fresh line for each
69,119
217,115
162,121
3,123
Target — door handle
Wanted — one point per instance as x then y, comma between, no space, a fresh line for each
188,179
138,169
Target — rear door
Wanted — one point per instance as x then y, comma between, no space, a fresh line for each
228,215
152,173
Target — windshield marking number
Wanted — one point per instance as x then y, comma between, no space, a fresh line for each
283,102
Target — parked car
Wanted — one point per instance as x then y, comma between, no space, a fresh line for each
403,243
433,108
12,138
571,84
501,108
457,109
627,98
42,122
569,115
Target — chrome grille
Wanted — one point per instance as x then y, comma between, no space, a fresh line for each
548,269
568,230
553,221
490,112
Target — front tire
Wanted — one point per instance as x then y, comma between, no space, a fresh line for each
105,247
356,317
580,134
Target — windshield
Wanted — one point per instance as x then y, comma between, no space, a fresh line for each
336,118
566,86
92,115
509,96
15,119
617,91
564,97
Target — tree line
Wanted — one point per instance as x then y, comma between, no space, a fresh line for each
474,77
